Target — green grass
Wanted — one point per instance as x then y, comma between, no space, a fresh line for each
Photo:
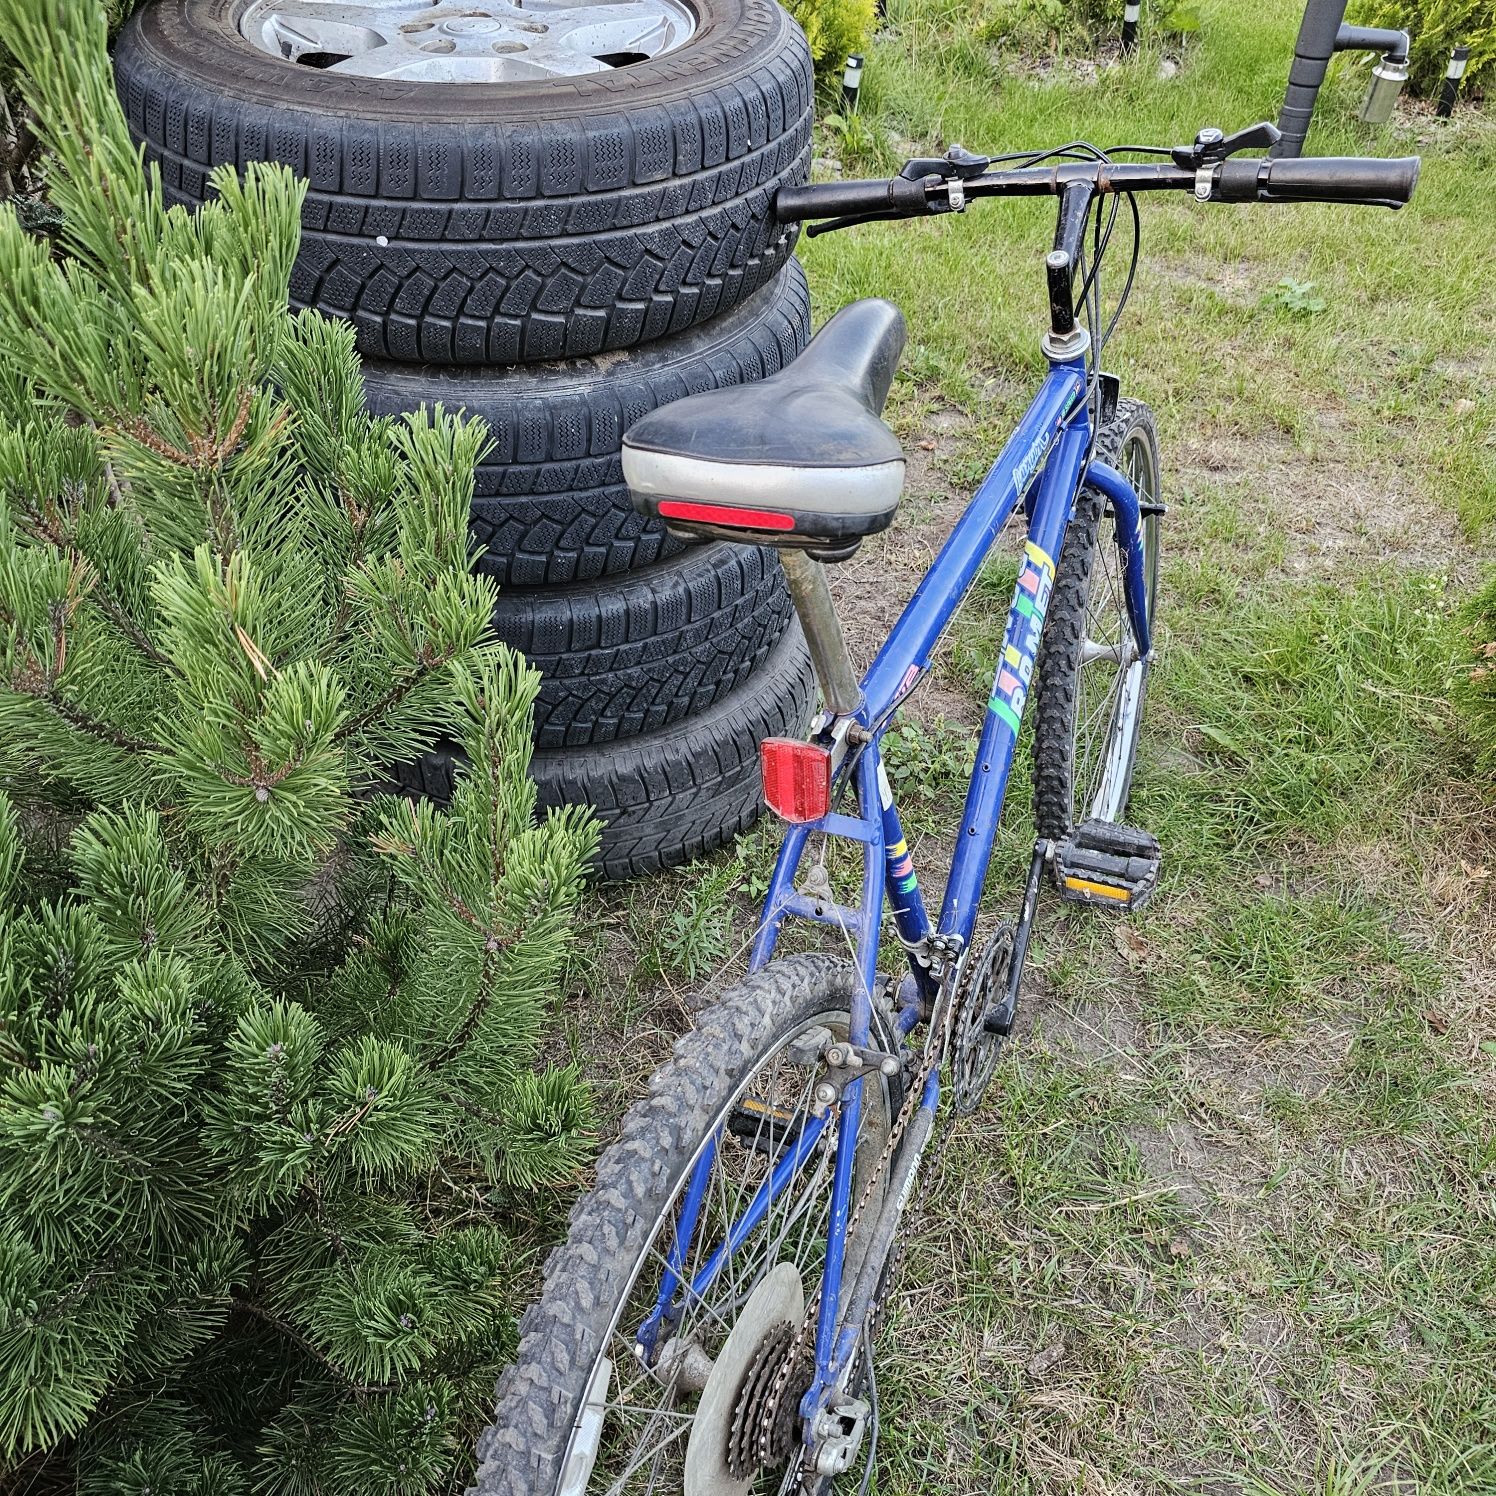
1224,1227
1409,322
1260,965
1315,708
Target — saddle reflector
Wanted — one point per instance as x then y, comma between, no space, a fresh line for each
725,514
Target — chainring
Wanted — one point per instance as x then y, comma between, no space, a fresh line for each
983,979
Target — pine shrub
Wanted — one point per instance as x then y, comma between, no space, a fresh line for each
18,139
271,1091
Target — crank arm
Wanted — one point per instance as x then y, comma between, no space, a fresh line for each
1000,1016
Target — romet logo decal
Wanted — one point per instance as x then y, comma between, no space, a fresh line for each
1029,463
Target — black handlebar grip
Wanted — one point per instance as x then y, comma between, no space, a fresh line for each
895,196
1367,180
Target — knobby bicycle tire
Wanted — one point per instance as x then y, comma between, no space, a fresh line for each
588,1279
1058,684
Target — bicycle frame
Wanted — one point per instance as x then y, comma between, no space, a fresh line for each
1043,466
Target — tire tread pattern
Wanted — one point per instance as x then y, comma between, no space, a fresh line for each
550,504
666,797
512,238
672,796
588,1276
1058,665
627,657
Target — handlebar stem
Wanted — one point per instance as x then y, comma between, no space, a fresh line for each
1059,266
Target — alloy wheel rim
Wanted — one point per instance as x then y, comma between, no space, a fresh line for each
466,41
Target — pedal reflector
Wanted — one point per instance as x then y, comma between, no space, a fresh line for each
797,779
1109,866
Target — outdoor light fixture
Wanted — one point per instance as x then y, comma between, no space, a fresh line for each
851,82
1452,75
1131,12
1387,79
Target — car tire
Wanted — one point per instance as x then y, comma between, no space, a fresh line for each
631,655
551,505
670,796
498,222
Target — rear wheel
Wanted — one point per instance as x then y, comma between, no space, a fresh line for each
1091,677
710,1407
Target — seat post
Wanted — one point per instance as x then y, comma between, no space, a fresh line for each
823,632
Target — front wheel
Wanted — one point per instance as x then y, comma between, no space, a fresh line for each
1091,676
608,1394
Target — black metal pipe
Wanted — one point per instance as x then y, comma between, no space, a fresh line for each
1390,43
1323,33
1311,58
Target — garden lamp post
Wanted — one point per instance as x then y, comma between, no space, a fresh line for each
1450,89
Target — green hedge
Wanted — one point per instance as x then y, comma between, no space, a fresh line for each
1436,26
834,28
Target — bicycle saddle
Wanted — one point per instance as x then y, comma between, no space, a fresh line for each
800,459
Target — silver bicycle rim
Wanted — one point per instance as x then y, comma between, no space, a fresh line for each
617,1379
466,41
1112,679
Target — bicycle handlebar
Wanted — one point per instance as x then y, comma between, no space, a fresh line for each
893,197
1324,179
1364,180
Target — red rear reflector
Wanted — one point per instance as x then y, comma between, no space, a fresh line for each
797,779
726,514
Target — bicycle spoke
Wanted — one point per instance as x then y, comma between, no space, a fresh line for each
1107,654
617,1488
774,1243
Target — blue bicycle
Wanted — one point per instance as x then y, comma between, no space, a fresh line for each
708,1326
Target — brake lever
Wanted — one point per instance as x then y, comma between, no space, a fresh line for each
957,162
1212,146
831,225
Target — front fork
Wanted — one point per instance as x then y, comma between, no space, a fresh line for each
1128,509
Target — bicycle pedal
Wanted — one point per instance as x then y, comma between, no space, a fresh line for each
1107,866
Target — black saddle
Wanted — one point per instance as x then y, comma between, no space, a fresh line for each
800,459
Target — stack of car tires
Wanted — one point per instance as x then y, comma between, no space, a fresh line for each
555,216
